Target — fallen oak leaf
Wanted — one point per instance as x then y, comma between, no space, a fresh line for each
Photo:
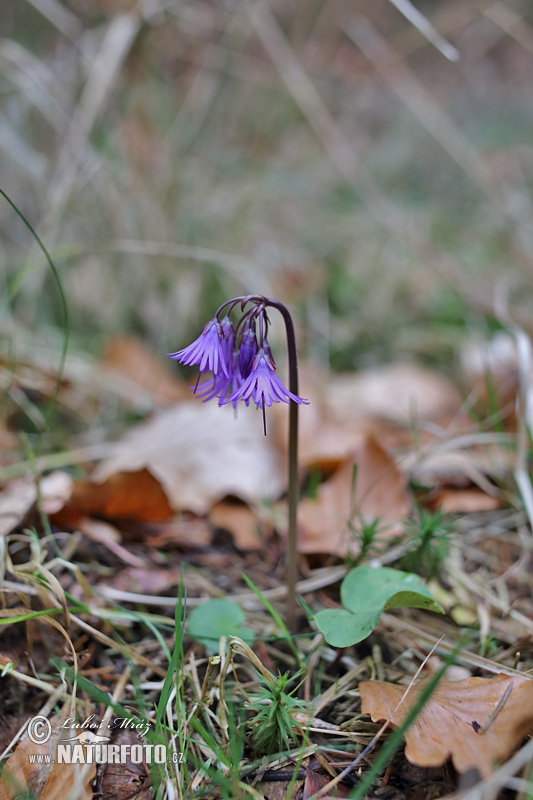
136,495
477,721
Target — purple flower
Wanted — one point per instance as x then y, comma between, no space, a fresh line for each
247,351
262,386
216,386
212,350
219,385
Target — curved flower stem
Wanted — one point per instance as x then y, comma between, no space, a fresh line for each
292,567
261,303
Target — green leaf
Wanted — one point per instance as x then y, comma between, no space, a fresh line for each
217,618
341,628
366,592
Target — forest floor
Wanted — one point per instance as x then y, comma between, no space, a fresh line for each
371,168
113,560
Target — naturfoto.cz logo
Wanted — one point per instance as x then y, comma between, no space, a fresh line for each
88,747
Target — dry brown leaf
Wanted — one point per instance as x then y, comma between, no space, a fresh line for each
385,403
186,458
45,781
198,454
129,358
240,521
69,780
380,491
135,494
478,721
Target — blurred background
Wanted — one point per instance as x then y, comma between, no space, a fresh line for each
369,166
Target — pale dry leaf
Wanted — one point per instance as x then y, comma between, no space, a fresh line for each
385,403
478,721
199,453
401,392
323,442
19,496
326,443
16,501
380,491
479,464
465,501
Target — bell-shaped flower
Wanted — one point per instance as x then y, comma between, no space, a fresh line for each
212,350
262,385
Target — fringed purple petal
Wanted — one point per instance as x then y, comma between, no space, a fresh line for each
263,386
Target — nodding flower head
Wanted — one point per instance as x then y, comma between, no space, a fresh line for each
212,350
240,370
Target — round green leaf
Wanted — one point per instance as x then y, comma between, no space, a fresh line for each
217,618
368,588
341,628
366,592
